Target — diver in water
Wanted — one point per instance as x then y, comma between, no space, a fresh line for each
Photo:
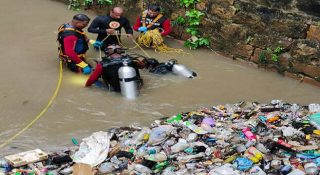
116,58
108,68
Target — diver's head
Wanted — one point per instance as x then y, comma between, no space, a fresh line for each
80,21
114,51
153,10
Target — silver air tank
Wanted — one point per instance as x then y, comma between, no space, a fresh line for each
128,83
181,70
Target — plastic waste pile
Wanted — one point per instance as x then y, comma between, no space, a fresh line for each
233,139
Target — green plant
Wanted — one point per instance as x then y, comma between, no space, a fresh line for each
187,3
194,43
88,2
179,21
74,5
78,4
263,57
192,22
275,53
193,31
194,17
104,2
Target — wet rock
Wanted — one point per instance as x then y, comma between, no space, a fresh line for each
310,70
313,33
309,6
305,50
223,12
285,59
256,55
244,50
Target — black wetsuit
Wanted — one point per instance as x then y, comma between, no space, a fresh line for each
101,23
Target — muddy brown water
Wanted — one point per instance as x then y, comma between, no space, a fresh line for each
30,72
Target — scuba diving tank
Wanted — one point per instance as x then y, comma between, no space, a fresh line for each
182,70
127,78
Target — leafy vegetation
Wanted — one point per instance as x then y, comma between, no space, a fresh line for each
78,4
192,21
273,55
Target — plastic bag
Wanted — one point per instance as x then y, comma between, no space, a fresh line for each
226,169
159,134
94,149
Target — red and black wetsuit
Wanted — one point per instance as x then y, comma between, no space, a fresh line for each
101,23
72,44
108,70
152,23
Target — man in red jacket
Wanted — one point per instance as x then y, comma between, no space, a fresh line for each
152,19
73,43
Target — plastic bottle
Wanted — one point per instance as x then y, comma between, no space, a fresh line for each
256,170
160,157
243,164
142,169
256,153
192,137
285,169
4,166
194,128
249,135
296,172
311,168
273,119
241,148
106,167
142,151
181,145
315,120
261,148
115,160
207,124
282,142
161,165
74,141
188,158
231,158
314,107
176,118
168,171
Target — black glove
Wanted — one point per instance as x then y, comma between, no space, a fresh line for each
151,63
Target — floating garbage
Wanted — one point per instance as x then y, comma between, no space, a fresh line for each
234,139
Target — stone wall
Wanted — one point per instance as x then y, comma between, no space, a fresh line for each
253,30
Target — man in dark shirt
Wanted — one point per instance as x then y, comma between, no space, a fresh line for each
109,26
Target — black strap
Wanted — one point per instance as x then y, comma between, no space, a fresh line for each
128,79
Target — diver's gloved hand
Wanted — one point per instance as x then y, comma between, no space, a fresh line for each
142,29
85,67
86,70
96,43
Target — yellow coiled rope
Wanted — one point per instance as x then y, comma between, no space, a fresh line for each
153,39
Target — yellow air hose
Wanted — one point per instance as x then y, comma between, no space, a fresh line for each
44,110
